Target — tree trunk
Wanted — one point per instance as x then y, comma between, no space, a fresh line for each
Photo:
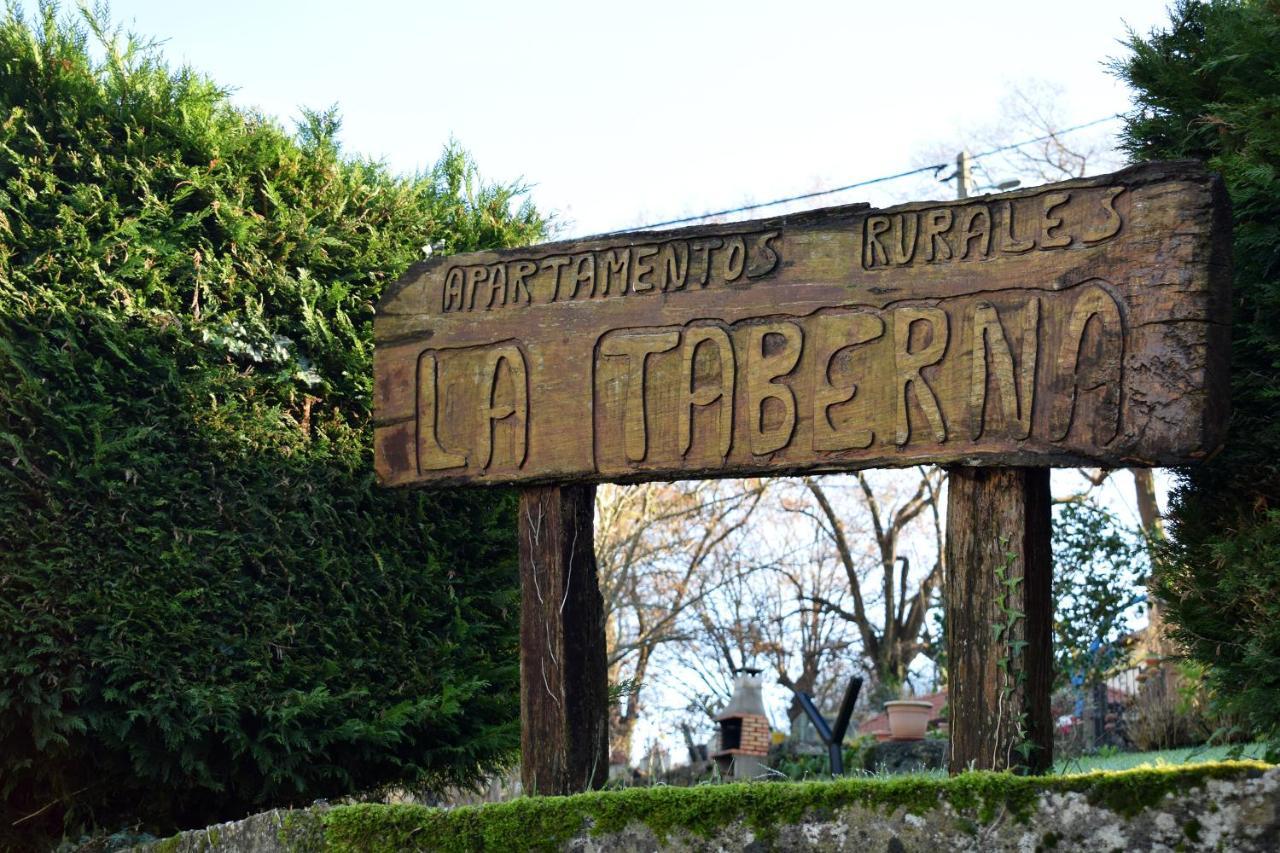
1144,487
624,715
621,727
804,684
564,688
999,573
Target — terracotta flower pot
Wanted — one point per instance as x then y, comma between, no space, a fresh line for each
908,719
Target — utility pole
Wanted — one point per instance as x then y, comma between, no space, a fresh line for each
964,176
997,550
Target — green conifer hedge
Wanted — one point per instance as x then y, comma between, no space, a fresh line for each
1208,86
207,605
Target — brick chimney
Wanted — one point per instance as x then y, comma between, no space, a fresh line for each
744,729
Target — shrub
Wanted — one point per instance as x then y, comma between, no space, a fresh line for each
207,605
1208,87
1162,717
1099,572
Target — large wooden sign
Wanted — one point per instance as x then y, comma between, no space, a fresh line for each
1077,323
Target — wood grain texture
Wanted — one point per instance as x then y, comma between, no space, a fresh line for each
1077,323
564,702
999,561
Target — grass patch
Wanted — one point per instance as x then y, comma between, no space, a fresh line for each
1129,760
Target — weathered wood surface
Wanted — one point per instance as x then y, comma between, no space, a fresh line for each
564,686
999,573
1077,323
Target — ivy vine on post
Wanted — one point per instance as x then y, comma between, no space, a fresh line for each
1013,674
999,618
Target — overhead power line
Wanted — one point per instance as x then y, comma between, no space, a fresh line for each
1048,136
933,167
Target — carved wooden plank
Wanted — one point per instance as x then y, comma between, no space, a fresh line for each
564,689
999,573
1077,323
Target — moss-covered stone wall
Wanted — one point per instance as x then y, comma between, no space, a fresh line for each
1228,805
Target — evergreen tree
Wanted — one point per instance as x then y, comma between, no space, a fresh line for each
207,604
1208,86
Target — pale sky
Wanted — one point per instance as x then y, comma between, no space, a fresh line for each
619,115
624,114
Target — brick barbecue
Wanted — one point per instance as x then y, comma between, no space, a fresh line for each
744,729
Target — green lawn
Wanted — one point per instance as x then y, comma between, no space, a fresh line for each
813,768
1126,760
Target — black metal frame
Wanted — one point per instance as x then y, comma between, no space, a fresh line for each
833,736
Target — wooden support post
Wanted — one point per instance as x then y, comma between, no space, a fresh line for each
999,573
564,723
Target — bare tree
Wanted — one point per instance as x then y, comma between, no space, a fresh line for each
767,615
655,548
727,632
1093,478
822,587
807,643
889,613
1032,110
